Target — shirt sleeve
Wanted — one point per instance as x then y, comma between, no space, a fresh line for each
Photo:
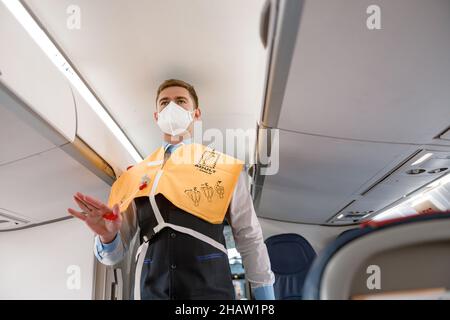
249,241
112,253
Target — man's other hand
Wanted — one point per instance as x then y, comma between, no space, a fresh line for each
93,213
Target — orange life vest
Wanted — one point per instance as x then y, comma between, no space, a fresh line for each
195,178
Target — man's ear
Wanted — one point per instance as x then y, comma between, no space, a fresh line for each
197,114
155,115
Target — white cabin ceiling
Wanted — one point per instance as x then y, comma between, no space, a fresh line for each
125,49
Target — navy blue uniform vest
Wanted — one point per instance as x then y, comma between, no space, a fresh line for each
177,265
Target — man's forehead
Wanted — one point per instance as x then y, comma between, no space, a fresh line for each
174,92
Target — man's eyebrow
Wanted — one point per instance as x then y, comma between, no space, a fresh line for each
165,98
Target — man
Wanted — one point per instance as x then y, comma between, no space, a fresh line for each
178,208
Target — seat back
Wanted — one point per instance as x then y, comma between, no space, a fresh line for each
291,256
382,260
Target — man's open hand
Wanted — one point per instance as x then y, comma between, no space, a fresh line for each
93,213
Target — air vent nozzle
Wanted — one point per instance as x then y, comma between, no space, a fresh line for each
349,217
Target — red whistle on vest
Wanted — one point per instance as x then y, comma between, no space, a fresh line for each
110,216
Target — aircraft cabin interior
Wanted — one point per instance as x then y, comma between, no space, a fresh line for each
338,111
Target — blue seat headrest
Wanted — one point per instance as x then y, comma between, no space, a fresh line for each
291,256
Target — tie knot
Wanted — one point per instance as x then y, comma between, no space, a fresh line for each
170,148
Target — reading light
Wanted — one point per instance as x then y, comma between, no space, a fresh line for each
422,159
46,45
383,215
419,201
413,201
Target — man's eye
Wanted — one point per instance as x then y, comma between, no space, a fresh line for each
181,101
163,103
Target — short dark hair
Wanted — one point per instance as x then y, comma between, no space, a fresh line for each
178,83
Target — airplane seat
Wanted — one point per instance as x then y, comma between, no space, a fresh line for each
291,256
401,258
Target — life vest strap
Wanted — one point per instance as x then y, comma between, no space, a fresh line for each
142,251
152,199
193,233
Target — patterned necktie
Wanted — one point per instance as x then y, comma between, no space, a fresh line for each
170,148
168,152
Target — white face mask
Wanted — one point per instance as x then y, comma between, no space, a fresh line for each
174,120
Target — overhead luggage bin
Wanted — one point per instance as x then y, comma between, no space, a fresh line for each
354,106
28,72
38,132
344,80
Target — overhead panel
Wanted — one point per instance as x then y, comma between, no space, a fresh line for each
319,176
18,139
41,187
389,85
411,176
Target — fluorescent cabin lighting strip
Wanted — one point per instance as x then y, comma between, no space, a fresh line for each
44,42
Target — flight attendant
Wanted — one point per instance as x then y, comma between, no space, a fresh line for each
177,200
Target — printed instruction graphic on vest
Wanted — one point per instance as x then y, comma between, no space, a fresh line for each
219,189
208,161
194,195
208,191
